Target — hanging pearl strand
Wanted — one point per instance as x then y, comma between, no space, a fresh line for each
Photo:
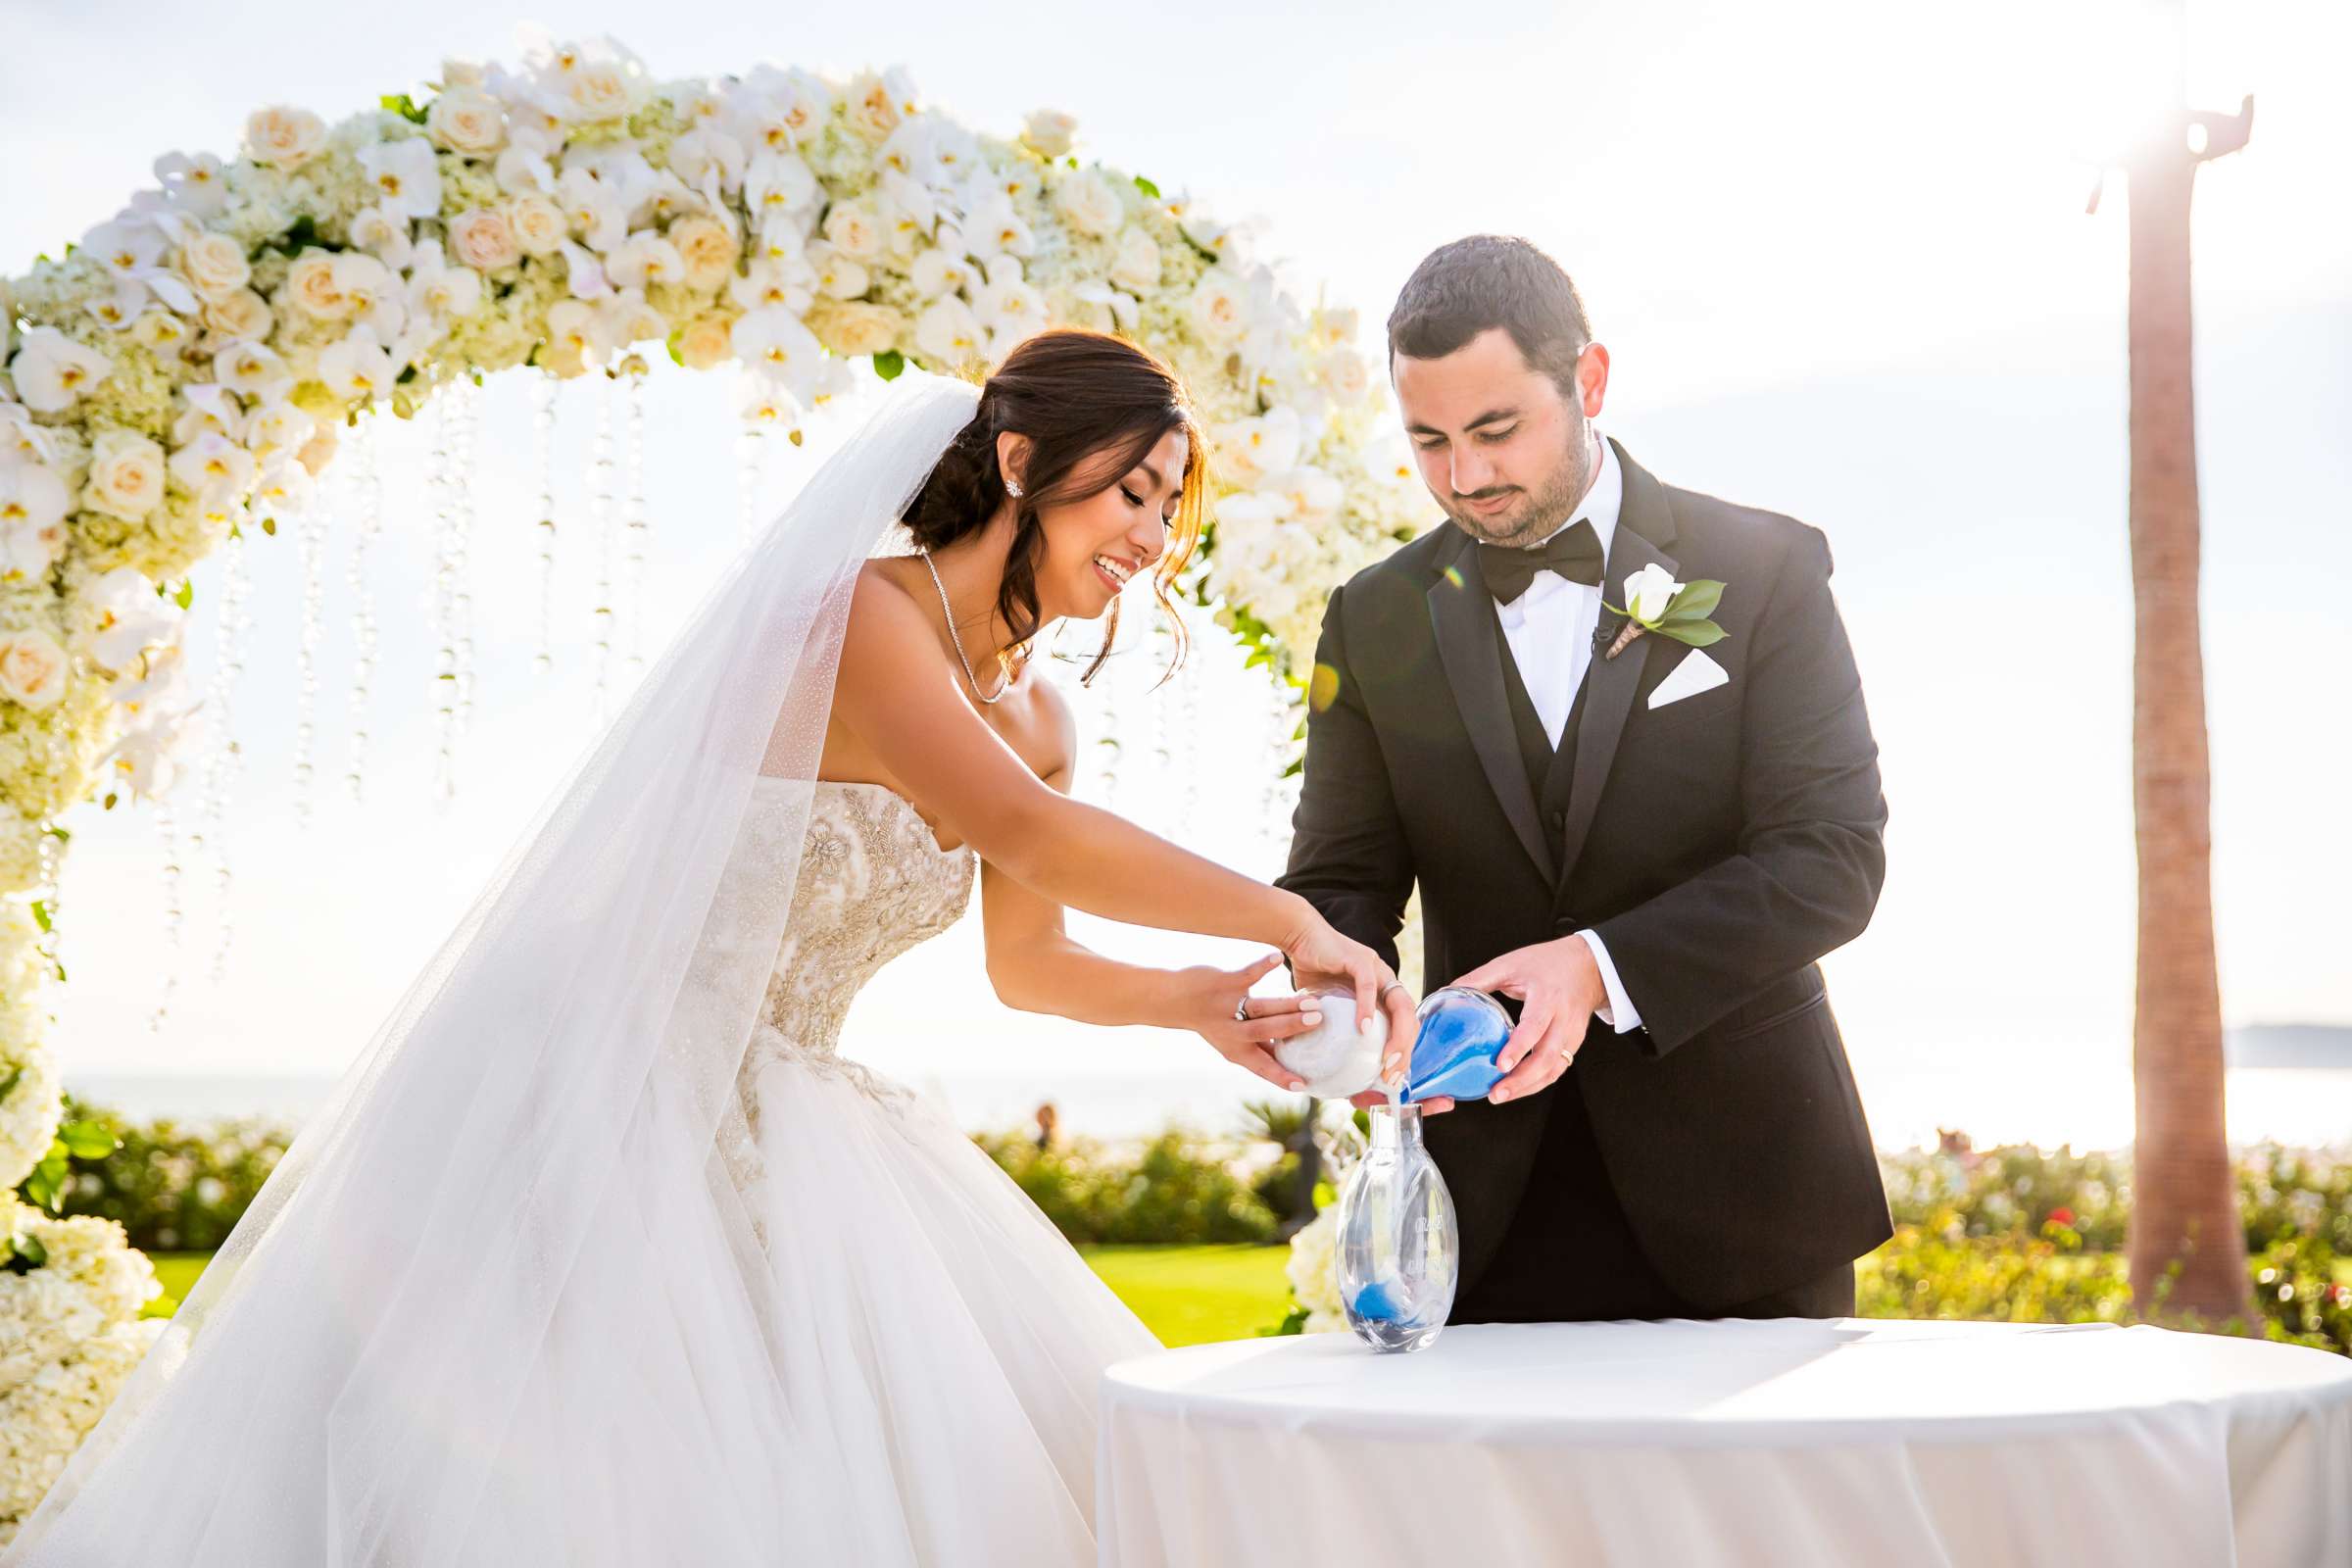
364,487
543,456
167,822
227,760
750,463
310,537
601,515
441,493
467,408
635,519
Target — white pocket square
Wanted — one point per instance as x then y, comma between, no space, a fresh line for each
1694,674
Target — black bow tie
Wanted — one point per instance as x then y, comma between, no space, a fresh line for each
1574,553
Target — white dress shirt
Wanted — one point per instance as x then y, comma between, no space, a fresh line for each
1549,629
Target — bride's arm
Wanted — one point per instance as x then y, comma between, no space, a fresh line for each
1036,966
900,696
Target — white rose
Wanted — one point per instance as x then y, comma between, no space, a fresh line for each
482,238
603,90
1089,204
126,475
707,342
467,120
1343,374
1648,592
215,265
1221,307
241,316
1049,133
537,225
51,370
283,137
705,251
852,330
311,285
1135,267
854,231
33,668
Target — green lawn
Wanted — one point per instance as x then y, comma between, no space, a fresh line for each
1185,1294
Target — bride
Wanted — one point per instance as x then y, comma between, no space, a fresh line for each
600,1252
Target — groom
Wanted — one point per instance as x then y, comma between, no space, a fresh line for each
1644,845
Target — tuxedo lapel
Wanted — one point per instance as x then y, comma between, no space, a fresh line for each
1463,614
1645,526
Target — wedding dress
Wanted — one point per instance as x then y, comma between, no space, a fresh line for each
601,1254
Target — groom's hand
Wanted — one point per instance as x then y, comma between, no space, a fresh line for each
1559,989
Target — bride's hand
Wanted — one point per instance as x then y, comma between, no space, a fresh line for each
1212,996
1321,957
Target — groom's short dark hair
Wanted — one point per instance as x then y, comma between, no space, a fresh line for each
1490,280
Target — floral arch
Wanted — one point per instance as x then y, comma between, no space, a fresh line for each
182,374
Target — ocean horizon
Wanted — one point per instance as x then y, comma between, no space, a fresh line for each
2305,1107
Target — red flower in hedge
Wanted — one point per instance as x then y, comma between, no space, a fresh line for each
2062,1215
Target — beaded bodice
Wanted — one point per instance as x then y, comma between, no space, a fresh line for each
873,882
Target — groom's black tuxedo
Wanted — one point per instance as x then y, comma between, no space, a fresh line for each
1718,844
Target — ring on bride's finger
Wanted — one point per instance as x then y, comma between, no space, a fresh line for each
1394,985
1241,1009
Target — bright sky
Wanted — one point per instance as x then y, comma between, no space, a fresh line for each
1839,256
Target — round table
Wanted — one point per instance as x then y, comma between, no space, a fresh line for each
1787,1441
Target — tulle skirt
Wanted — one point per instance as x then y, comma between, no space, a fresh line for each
876,1352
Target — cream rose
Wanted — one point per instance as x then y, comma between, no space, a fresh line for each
242,314
707,251
852,330
538,225
872,108
126,475
311,285
1049,133
1089,204
854,231
1135,267
215,265
707,342
283,137
601,90
483,239
320,450
467,120
33,668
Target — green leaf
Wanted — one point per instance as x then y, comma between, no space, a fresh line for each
1072,159
14,1075
1147,187
40,914
88,1140
61,974
1696,602
890,363
269,525
186,595
26,1252
59,834
1697,633
401,104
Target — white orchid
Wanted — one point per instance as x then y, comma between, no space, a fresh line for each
1253,450
778,182
215,469
993,228
643,259
384,233
949,333
120,305
405,174
208,405
146,760
126,616
709,155
52,372
778,284
359,367
776,343
197,183
33,501
944,269
251,369
584,274
161,681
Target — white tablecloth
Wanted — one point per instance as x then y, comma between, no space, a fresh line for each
1784,1442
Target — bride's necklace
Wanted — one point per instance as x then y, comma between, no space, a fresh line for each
948,612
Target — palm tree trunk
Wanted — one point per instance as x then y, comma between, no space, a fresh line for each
2185,1197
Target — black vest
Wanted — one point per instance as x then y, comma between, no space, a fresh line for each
1548,772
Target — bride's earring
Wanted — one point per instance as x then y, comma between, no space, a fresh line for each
1013,488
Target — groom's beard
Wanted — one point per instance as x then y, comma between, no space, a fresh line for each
1540,512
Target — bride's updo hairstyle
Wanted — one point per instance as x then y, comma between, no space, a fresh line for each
1092,407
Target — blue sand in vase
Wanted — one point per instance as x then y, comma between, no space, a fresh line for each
1380,1303
1461,1034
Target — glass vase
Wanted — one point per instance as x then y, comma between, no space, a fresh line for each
1398,1243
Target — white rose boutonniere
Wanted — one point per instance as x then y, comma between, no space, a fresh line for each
1655,601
